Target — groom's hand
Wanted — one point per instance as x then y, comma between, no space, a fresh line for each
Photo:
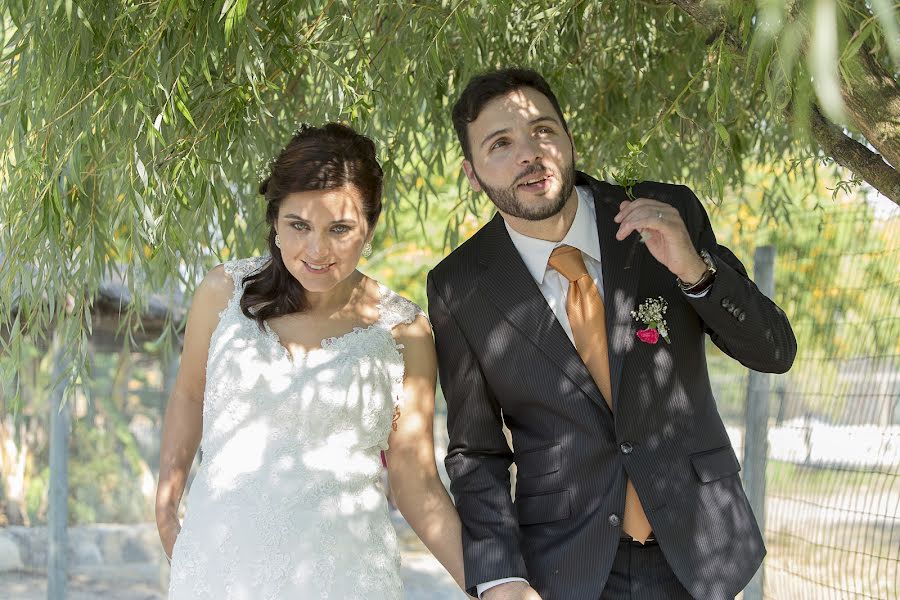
514,590
665,236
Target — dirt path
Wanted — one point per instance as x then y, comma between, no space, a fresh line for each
423,578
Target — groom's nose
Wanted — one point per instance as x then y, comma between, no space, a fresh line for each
529,150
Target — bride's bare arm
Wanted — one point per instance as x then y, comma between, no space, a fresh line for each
184,413
416,487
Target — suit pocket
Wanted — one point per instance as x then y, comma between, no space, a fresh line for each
715,464
534,463
543,508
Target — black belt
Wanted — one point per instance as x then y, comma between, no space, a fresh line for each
650,541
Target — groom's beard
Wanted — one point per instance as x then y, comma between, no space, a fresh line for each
506,201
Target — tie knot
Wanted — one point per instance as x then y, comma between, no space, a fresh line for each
567,261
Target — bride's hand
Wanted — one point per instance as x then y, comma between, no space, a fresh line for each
168,533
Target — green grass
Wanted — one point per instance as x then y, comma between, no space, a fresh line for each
789,479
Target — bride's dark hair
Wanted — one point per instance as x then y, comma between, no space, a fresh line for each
316,159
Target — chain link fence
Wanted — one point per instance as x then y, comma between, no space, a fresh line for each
832,468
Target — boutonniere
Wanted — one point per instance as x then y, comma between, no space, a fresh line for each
651,313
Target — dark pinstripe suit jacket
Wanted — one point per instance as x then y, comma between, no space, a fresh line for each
503,355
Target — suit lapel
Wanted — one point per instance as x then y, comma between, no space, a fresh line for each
508,284
619,283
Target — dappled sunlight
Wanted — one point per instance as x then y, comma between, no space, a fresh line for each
290,482
620,324
664,368
573,454
241,454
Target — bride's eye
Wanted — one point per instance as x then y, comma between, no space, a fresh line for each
300,226
340,229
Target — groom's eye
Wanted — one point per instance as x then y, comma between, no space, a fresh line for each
498,144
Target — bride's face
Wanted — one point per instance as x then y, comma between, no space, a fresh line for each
322,235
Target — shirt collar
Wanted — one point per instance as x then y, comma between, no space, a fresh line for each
582,235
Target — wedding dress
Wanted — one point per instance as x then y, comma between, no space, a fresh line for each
287,501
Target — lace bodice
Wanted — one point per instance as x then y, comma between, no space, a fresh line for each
287,501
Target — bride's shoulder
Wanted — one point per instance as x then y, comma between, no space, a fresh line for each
221,281
396,309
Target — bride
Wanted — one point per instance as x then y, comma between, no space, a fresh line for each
297,372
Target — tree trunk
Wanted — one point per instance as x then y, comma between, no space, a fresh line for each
849,153
872,101
13,458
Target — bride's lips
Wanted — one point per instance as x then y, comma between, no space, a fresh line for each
317,271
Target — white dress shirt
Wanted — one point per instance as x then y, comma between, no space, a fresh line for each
536,253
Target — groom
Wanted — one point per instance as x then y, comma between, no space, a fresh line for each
627,484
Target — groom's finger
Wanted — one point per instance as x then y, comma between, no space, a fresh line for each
649,218
627,208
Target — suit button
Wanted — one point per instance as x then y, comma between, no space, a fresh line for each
726,302
626,447
614,520
741,317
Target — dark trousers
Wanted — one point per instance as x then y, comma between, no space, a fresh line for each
642,573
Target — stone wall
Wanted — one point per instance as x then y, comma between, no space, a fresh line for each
25,548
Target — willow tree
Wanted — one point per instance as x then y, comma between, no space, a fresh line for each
133,134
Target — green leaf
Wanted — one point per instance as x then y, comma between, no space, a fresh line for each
859,38
887,13
723,133
234,13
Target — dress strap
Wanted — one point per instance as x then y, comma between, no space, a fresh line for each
395,310
241,268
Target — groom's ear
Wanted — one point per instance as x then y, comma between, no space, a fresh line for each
470,175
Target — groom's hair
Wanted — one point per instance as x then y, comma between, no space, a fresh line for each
483,88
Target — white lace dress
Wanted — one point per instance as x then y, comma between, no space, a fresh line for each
287,502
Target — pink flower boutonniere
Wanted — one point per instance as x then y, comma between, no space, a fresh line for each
650,312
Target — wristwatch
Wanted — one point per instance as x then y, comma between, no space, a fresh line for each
705,280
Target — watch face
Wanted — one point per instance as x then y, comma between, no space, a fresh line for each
710,263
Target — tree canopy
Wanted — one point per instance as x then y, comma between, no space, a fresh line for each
134,134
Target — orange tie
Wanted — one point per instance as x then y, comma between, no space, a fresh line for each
584,307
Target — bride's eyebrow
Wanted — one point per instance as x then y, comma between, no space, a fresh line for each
293,217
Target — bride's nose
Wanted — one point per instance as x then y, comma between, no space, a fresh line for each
317,247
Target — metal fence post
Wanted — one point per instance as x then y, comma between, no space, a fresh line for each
58,512
757,421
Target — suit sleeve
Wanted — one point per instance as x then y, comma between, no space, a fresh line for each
742,321
478,457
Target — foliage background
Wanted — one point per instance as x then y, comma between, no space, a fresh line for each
134,133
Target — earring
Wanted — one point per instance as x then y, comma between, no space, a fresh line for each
367,249
278,240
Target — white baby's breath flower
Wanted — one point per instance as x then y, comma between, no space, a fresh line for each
650,312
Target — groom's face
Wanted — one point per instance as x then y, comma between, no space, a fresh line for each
522,156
